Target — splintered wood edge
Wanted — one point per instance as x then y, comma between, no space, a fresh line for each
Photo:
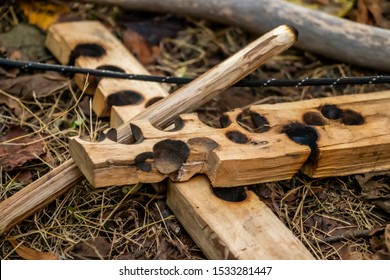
232,230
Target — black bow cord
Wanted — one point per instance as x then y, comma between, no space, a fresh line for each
380,79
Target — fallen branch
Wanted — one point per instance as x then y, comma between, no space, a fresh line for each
353,235
320,33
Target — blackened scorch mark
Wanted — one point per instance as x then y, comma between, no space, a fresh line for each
331,112
93,81
87,49
351,117
305,135
169,155
253,122
237,137
234,194
301,134
313,118
141,161
124,98
112,134
224,121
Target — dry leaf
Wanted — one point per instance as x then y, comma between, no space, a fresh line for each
138,45
15,106
371,12
96,248
41,85
31,254
43,14
16,153
28,40
347,253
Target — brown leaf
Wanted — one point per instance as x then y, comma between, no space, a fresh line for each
374,6
31,254
374,185
25,177
138,45
41,85
362,15
96,248
15,106
347,253
21,150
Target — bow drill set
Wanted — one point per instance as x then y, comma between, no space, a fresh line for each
153,137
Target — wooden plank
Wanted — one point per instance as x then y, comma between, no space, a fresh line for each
122,99
232,230
336,136
264,157
353,132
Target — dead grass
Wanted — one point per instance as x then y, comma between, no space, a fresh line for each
133,222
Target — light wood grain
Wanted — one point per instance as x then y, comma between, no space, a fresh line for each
269,156
329,36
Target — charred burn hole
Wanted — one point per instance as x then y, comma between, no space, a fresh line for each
351,117
141,161
331,112
174,125
202,144
153,100
237,137
87,49
301,134
169,155
253,122
224,121
111,68
112,134
313,118
234,194
124,98
136,134
94,80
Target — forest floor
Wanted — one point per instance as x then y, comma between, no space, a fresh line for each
335,218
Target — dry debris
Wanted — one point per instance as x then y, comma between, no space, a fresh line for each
336,218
